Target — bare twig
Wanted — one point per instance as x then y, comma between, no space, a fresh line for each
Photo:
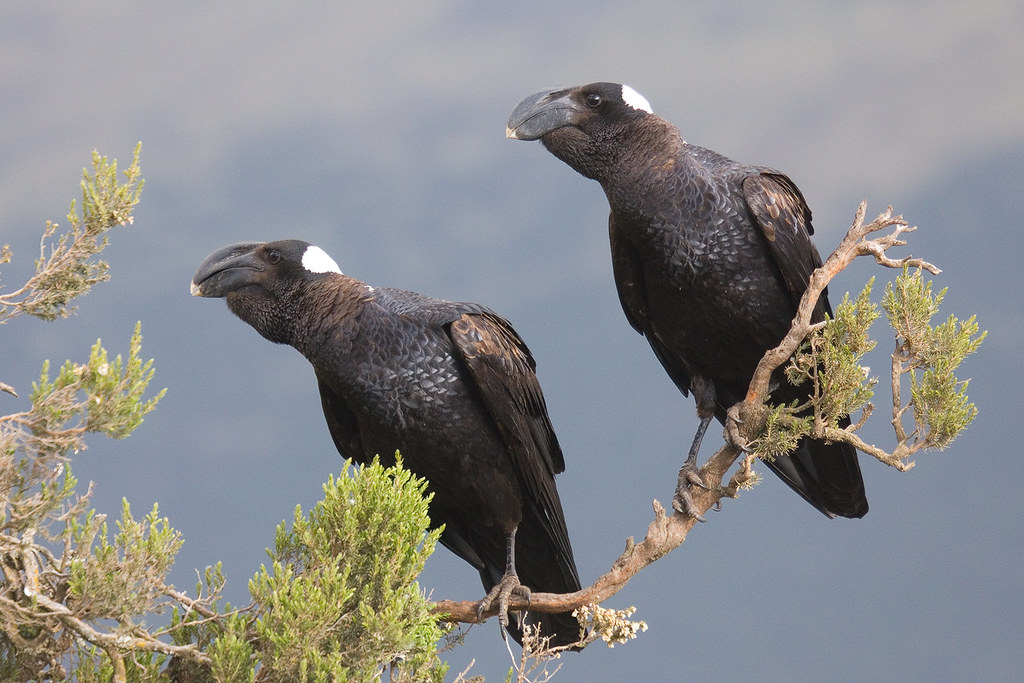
109,641
192,605
26,582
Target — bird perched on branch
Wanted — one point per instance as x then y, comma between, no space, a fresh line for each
449,385
710,259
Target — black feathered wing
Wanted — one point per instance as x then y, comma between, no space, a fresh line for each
344,429
784,218
827,475
627,269
341,423
503,370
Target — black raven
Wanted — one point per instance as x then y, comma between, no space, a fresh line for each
710,259
449,385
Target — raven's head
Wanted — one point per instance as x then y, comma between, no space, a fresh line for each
583,126
261,280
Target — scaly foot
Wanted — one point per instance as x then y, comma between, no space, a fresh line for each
689,477
502,592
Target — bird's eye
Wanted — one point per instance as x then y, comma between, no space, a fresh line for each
594,100
274,256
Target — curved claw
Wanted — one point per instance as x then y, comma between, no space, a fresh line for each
692,477
683,503
689,478
732,430
502,592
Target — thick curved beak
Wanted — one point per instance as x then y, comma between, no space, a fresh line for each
541,113
227,270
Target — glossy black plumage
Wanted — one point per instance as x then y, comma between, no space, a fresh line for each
710,258
449,385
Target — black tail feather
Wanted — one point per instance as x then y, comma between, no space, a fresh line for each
827,475
544,567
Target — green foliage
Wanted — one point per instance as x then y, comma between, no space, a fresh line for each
39,505
930,356
67,269
99,397
119,580
341,599
69,597
781,433
190,625
95,666
830,359
112,402
231,654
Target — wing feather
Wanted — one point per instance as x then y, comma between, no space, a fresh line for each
341,423
504,372
628,270
784,218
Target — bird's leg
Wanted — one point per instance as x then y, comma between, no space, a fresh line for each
506,588
689,474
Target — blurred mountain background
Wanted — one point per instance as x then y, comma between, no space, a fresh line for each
377,133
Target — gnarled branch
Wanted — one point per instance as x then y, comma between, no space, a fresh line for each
853,245
745,420
665,533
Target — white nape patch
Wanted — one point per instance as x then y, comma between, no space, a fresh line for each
635,99
316,260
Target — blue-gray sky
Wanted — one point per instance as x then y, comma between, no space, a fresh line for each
378,134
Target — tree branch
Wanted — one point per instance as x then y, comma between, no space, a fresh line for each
665,533
745,421
26,582
112,642
853,245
